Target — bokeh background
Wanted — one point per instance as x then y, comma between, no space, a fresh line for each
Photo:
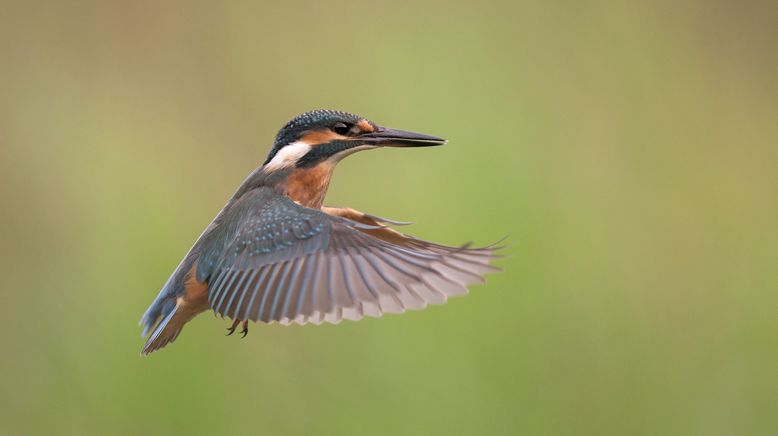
628,149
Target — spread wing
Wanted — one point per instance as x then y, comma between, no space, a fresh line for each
274,260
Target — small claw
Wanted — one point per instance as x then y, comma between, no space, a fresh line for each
231,329
245,330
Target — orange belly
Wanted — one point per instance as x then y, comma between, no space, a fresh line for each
194,300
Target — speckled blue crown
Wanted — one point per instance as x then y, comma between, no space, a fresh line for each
310,120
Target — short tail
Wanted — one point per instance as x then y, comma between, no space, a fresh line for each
166,332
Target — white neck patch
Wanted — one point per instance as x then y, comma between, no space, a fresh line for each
288,156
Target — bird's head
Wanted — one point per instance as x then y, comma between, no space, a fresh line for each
324,137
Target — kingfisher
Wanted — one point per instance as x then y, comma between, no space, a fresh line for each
275,253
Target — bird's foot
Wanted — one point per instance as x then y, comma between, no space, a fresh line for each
245,330
231,329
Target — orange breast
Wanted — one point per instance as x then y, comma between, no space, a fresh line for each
308,186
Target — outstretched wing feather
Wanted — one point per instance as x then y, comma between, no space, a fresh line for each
279,261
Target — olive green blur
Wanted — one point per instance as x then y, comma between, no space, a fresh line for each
629,150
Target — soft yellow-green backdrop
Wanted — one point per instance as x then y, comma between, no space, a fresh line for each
628,149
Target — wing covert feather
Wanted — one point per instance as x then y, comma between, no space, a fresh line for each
274,260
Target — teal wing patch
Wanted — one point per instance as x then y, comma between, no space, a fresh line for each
274,260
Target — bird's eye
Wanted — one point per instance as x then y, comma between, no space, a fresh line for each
341,128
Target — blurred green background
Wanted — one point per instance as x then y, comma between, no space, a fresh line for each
629,150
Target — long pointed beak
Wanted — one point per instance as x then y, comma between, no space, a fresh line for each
387,137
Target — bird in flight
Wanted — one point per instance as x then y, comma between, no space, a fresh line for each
275,253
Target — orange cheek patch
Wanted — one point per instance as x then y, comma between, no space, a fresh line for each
365,126
320,137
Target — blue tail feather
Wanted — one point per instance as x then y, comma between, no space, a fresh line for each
165,333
